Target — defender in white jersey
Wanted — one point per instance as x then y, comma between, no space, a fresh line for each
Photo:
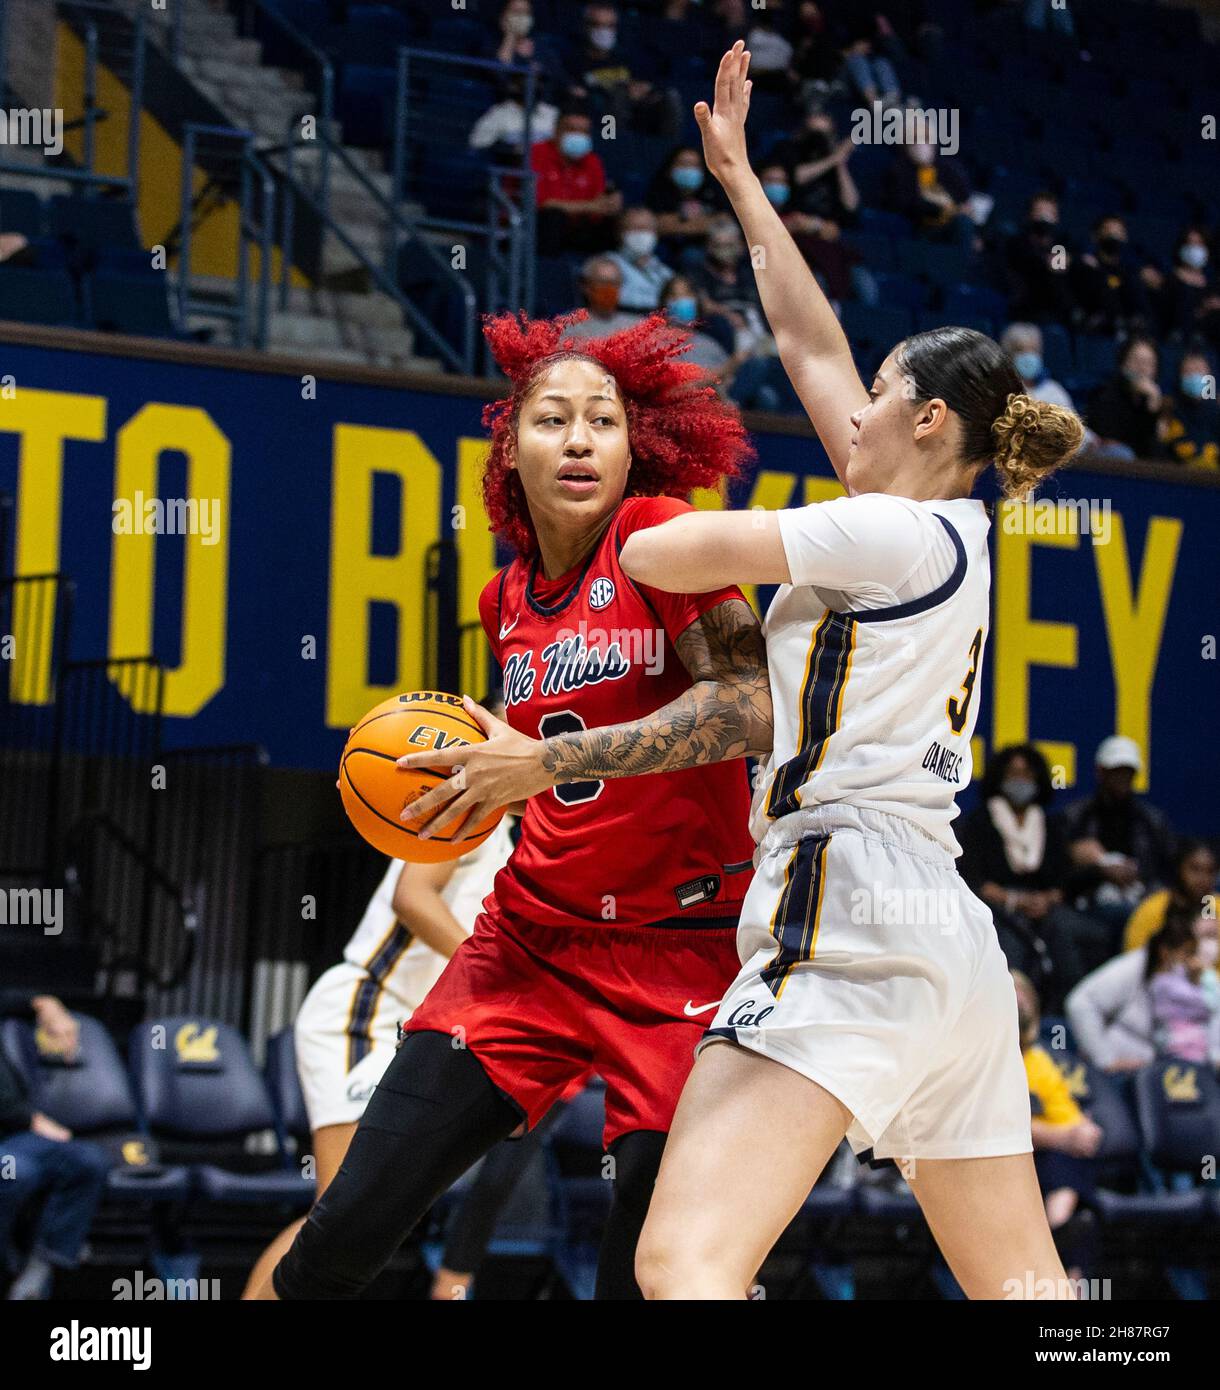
873,999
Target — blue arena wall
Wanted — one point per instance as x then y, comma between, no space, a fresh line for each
306,608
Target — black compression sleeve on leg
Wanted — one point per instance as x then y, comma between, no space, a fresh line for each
434,1112
637,1157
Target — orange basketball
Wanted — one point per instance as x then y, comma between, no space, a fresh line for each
375,791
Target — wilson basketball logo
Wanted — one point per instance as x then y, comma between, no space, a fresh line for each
601,592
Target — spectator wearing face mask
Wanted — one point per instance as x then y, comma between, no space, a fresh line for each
771,51
816,161
1191,893
724,279
1015,857
680,301
1190,422
575,211
1065,1139
1185,998
517,43
1121,845
644,274
1125,410
1023,343
1111,286
932,194
1038,264
838,266
683,198
1110,1011
619,81
601,283
1190,301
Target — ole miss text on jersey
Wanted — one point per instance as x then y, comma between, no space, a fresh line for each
592,648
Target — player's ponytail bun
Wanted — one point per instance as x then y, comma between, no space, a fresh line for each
1001,424
1032,438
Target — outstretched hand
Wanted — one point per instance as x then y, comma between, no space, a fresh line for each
723,127
507,768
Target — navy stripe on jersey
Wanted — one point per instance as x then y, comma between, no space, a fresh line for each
548,610
827,668
378,968
795,923
938,595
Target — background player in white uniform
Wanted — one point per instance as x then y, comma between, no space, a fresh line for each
347,1028
870,974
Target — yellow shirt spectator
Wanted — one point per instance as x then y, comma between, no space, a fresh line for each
1049,1089
1147,919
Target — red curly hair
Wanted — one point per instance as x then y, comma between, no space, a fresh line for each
682,434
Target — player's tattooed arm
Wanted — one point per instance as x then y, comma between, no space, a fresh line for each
725,714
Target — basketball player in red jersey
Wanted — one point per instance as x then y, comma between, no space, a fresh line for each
610,934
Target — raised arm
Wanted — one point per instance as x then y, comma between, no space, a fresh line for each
812,345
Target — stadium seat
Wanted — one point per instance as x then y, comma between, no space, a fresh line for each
137,304
936,263
91,1094
201,1094
877,328
284,1086
21,211
37,296
93,222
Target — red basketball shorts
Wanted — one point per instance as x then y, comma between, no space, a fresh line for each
540,1006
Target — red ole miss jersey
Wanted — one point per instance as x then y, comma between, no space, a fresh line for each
592,648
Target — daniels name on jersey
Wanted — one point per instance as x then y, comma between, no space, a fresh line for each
587,649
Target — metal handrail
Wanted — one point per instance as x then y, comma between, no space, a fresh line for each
154,876
402,228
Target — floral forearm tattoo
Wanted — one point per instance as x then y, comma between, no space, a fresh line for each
725,714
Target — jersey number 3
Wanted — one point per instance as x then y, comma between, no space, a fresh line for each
566,722
958,706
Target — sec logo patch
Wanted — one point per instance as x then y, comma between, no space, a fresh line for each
601,592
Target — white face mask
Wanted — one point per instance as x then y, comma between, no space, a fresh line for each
603,37
1194,255
1208,952
518,25
639,242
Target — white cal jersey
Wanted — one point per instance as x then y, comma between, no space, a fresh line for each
406,967
876,652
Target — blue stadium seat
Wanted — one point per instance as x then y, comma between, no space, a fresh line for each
875,328
199,1090
1096,355
937,263
966,301
91,1094
762,384
21,211
365,104
1056,349
121,303
876,249
284,1086
897,291
1178,1103
37,296
93,222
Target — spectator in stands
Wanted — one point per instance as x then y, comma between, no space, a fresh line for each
1038,263
816,61
1015,857
40,1157
516,43
1191,892
1023,343
931,194
683,197
863,32
575,210
712,335
771,51
643,275
601,283
1185,999
1110,284
615,80
1189,301
725,279
1189,429
816,161
1121,845
1110,1011
838,266
1125,410
501,128
1065,1139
